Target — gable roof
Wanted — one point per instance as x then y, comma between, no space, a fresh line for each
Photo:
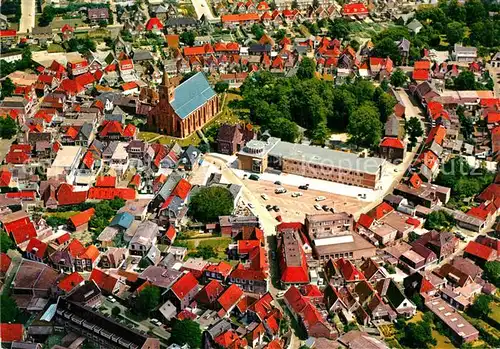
37,247
82,218
478,250
70,281
104,281
11,333
210,292
191,95
230,297
184,285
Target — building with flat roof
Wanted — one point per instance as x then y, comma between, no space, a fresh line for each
311,161
66,162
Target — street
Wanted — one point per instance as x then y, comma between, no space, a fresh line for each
28,10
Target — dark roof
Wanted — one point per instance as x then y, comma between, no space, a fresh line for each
85,292
181,21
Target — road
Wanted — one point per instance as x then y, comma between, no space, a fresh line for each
27,22
496,79
202,8
268,223
411,110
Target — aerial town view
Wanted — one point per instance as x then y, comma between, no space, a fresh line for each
245,174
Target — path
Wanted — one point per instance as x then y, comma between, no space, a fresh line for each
496,79
27,22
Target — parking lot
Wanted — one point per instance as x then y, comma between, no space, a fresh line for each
295,209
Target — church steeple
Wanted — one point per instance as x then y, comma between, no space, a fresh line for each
166,90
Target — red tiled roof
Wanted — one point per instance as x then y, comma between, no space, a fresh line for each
184,285
425,65
421,75
63,238
75,248
70,282
91,253
129,86
381,211
491,192
437,134
245,246
171,233
111,127
7,33
71,87
21,230
222,267
23,195
67,27
295,300
88,159
18,154
414,221
82,218
67,196
11,332
129,130
5,262
135,181
481,251
230,297
182,189
85,79
37,248
493,117
111,193
392,142
311,290
154,23
240,17
428,158
426,285
104,281
210,292
348,270
106,182
225,339
365,221
416,181
479,212
5,178
354,9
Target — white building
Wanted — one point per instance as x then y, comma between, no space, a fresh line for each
66,162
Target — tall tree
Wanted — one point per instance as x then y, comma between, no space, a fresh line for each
8,88
8,128
474,11
414,130
307,68
211,202
398,78
6,242
186,332
481,306
387,48
465,81
385,104
257,30
492,272
455,32
10,312
339,28
187,37
147,300
364,126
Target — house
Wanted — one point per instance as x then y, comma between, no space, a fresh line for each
106,282
209,294
228,300
144,238
88,259
414,26
372,271
441,243
80,221
232,138
87,294
219,271
12,333
392,149
95,15
36,250
292,259
113,257
495,61
71,282
5,266
480,253
355,10
390,292
358,340
464,54
184,290
154,25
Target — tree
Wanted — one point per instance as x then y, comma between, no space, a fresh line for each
387,48
8,88
115,311
211,202
465,81
285,129
414,130
205,252
280,35
8,128
439,220
492,272
365,127
103,23
339,28
354,44
47,16
315,3
455,32
147,300
10,312
257,30
384,85
6,242
385,105
54,221
474,11
418,335
187,37
295,5
186,332
481,306
188,75
398,78
320,134
221,86
307,68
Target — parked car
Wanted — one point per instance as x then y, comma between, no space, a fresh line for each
296,194
277,183
276,208
460,235
111,299
254,177
304,187
320,198
280,294
280,190
250,205
264,196
318,207
269,207
325,208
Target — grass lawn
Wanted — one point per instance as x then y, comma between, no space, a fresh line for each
58,23
495,312
64,215
219,244
53,48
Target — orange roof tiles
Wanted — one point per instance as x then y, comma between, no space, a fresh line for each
70,282
82,218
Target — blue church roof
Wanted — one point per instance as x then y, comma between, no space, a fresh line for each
191,94
124,220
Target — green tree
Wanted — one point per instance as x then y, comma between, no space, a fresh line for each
385,104
285,129
187,37
307,68
295,5
116,203
221,86
115,311
475,11
492,272
186,332
481,307
205,252
103,23
455,32
54,221
399,78
418,335
8,128
465,81
10,312
6,242
384,85
257,30
209,203
147,300
339,28
414,130
439,220
387,48
280,34
8,88
354,44
47,16
320,134
365,127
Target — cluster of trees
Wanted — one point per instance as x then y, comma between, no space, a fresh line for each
10,312
205,252
280,105
187,37
147,300
82,45
463,181
6,242
209,203
466,81
481,307
104,211
416,334
12,8
25,63
186,332
8,128
455,20
492,272
439,220
413,128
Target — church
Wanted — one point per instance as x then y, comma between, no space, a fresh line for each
183,109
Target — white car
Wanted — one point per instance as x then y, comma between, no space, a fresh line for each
111,299
280,294
318,207
296,194
320,198
264,196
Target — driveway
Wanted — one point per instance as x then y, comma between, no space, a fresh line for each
27,22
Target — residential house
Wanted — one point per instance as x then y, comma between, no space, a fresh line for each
144,238
184,290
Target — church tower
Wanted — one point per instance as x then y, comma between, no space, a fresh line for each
166,89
